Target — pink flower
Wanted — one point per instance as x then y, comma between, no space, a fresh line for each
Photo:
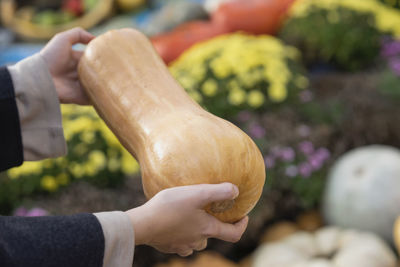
287,154
305,169
21,211
257,131
315,162
35,212
306,147
323,154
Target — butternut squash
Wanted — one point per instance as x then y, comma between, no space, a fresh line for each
175,140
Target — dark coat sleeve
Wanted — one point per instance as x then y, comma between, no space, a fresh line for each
60,241
73,241
11,153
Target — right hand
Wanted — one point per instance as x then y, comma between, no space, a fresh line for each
174,220
62,62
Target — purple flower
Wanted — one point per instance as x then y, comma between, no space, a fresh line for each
257,131
315,162
306,96
291,171
30,213
244,116
395,66
391,49
287,154
35,212
305,169
269,161
323,154
306,147
304,130
21,211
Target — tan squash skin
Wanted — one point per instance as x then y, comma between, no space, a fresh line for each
175,140
397,234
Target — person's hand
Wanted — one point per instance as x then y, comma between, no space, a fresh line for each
174,220
62,62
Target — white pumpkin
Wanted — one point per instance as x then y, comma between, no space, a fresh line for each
327,247
363,190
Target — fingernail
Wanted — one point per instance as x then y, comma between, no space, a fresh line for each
236,190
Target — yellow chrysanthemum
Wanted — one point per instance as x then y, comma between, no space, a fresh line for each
255,99
237,97
113,164
49,183
97,159
220,68
277,93
27,168
77,170
62,179
88,136
209,87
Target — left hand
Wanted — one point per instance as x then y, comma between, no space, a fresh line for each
62,62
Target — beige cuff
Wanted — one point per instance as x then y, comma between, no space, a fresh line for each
38,108
119,238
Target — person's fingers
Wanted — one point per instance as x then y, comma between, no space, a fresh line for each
201,245
185,253
227,232
76,55
208,193
76,35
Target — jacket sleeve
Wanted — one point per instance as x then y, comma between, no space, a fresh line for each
11,153
38,109
32,130
75,240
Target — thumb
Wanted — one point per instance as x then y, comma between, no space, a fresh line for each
209,193
229,232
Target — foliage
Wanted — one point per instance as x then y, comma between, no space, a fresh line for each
390,78
387,19
300,168
237,71
94,155
340,36
392,3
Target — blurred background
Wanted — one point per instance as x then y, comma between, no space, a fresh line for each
316,84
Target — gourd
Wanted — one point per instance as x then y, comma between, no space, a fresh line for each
328,247
397,234
175,141
362,191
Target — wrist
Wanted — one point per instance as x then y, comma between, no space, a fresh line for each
141,225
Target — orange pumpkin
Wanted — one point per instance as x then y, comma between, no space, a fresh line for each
175,140
172,44
253,16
